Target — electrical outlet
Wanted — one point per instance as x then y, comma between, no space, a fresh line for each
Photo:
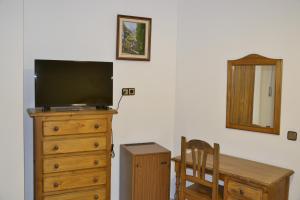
128,91
292,135
131,91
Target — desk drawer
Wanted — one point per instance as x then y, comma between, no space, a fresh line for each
67,127
74,145
241,191
74,180
67,163
82,195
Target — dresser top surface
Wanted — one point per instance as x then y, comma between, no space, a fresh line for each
144,148
38,112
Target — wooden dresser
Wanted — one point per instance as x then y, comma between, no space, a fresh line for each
72,154
144,172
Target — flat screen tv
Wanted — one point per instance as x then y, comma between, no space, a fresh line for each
73,83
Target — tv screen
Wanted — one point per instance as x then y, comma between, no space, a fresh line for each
71,83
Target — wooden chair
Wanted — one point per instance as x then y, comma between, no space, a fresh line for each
201,189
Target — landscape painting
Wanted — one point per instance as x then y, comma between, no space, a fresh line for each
134,37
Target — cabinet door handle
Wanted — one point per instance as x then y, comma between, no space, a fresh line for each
163,162
241,192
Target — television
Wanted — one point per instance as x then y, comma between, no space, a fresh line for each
61,83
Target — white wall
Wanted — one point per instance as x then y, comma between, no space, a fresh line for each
11,102
86,30
212,32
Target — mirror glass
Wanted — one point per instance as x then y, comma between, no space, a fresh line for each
263,96
253,94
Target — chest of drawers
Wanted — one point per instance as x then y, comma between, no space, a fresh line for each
72,154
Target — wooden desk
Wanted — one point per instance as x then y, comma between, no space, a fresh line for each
246,179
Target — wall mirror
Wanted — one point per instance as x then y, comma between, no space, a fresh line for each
254,94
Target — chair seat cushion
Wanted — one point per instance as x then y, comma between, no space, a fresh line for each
197,191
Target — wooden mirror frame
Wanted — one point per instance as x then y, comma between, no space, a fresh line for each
254,59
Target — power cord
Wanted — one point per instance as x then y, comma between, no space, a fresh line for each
112,151
119,102
112,134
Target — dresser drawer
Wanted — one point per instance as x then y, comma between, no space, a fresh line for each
74,180
60,164
241,191
52,128
82,195
74,145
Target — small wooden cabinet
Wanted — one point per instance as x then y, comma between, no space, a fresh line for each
144,172
72,158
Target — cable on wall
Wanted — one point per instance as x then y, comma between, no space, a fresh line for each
112,134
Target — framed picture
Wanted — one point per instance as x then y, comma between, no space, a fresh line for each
133,38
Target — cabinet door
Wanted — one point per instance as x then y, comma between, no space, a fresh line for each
164,177
152,177
146,177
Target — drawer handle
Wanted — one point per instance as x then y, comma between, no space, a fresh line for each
96,162
241,192
96,144
96,196
163,162
55,184
56,128
56,166
95,180
55,148
97,126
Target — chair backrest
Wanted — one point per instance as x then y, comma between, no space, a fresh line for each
199,151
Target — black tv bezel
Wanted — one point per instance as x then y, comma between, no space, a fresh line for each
71,106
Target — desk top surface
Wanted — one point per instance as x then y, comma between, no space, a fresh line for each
248,170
